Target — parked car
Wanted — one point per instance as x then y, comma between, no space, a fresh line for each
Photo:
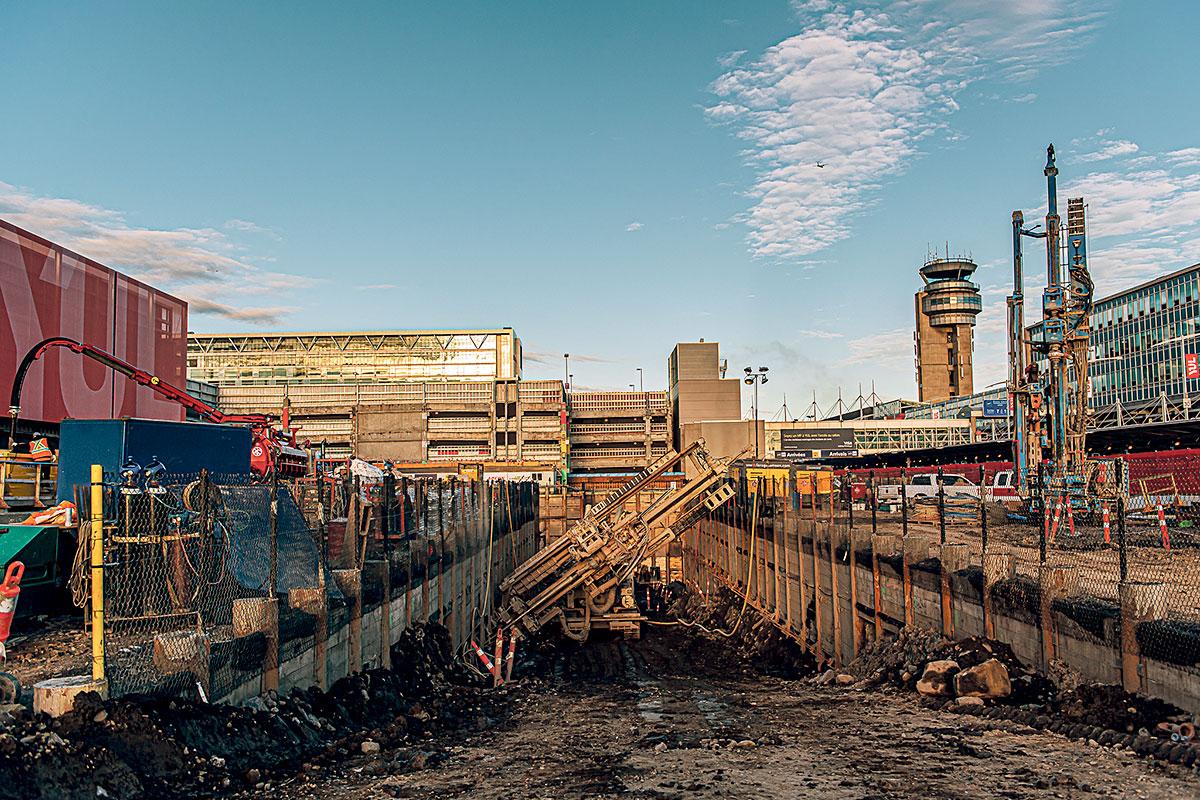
927,485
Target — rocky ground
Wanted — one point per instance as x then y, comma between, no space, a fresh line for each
641,720
725,708
730,708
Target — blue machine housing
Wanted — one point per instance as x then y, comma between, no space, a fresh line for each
183,447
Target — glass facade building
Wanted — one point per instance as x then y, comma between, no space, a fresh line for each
1141,340
268,359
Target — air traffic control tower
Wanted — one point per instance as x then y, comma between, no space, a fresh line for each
946,311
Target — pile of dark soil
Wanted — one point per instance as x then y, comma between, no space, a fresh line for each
901,661
1114,708
898,661
153,747
745,637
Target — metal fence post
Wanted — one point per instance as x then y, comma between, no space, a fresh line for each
874,503
1122,553
848,493
983,531
1045,513
96,562
941,498
385,515
273,572
322,526
903,502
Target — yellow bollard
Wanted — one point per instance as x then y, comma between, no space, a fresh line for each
97,565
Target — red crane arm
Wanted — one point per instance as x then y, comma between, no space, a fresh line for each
138,376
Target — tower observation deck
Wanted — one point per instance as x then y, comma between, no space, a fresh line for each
946,308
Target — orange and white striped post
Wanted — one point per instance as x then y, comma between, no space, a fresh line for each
497,679
487,662
508,659
1057,515
1162,528
1104,517
1070,518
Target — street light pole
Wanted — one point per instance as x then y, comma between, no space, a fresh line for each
755,379
756,420
567,420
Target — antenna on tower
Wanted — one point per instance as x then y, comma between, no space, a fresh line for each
783,413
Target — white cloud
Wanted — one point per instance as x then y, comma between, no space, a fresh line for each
1187,157
888,348
245,226
860,90
1028,97
1109,150
269,315
201,265
541,357
819,334
376,287
731,58
634,226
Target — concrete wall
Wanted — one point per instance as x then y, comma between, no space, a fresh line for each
318,646
819,582
725,439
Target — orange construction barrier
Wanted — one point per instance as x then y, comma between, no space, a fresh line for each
8,597
1162,528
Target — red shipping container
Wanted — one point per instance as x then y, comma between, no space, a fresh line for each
47,290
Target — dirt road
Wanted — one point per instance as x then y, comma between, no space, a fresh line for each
638,720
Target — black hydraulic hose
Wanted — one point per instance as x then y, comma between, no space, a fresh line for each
14,398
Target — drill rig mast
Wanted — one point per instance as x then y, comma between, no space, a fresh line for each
1050,412
579,578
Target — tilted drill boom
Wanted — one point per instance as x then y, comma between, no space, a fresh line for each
581,573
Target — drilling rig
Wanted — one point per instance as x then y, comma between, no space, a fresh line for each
584,578
1050,411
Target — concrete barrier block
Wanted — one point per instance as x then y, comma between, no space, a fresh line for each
955,557
915,548
56,696
998,567
886,544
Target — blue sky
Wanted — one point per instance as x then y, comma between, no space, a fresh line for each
609,178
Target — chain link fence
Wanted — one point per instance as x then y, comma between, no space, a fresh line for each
195,563
1108,579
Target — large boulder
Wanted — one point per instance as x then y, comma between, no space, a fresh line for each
938,679
988,680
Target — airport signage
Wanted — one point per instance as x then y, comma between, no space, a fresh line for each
805,443
995,408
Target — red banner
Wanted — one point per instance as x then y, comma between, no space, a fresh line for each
46,290
1191,365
